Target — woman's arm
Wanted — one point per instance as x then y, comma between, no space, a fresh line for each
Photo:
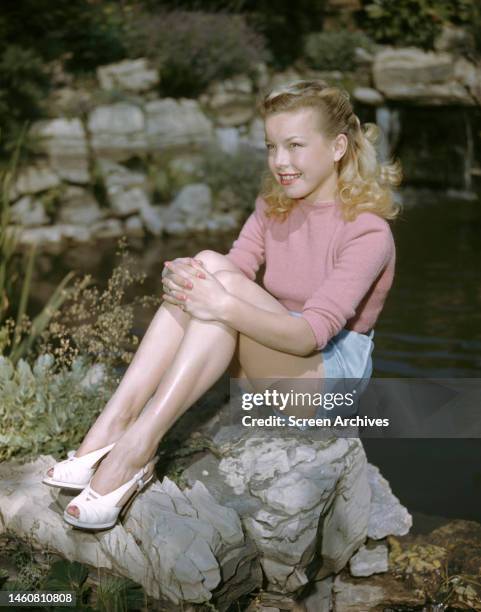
281,332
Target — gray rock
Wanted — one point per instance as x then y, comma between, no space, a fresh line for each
175,544
28,212
152,218
117,131
469,75
79,207
54,237
171,123
133,226
129,75
65,142
126,201
193,202
422,77
285,492
34,179
116,176
368,95
228,139
232,108
387,516
369,561
108,228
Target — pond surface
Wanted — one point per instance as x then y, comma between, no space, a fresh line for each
430,327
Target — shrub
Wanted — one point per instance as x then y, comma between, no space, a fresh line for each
192,49
414,22
23,86
97,324
44,411
283,23
334,50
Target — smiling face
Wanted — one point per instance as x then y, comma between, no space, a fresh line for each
301,159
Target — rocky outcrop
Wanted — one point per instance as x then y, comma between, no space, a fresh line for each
129,75
64,141
181,546
422,77
281,512
143,151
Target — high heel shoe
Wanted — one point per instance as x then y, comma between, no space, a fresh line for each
102,511
76,472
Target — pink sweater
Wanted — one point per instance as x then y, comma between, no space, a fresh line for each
337,273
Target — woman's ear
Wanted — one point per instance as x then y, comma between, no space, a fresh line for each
340,146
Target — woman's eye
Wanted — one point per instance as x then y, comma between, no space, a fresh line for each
269,147
295,144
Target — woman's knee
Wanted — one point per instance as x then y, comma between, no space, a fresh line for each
231,280
214,261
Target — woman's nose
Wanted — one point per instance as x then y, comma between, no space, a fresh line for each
281,159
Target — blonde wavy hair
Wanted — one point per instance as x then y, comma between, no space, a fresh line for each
364,183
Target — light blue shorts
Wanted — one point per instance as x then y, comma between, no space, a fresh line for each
348,355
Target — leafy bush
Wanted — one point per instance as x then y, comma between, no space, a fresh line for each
283,23
23,86
91,33
191,49
97,324
414,22
334,50
48,412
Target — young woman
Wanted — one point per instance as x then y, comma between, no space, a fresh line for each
320,225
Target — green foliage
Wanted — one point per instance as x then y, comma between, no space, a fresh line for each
414,22
119,595
334,50
86,33
23,86
234,178
283,23
45,411
65,576
19,334
191,49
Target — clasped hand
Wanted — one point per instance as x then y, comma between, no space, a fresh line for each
190,286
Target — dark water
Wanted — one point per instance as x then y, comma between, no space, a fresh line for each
430,327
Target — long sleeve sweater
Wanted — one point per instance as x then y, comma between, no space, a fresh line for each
336,273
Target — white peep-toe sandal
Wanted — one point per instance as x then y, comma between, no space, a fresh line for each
76,472
102,511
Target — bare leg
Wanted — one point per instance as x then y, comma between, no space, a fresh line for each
205,353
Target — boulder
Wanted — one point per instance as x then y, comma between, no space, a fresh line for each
79,207
228,139
181,546
65,142
423,77
387,516
190,210
129,75
33,180
108,228
54,237
369,561
287,493
117,131
171,123
28,212
368,96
